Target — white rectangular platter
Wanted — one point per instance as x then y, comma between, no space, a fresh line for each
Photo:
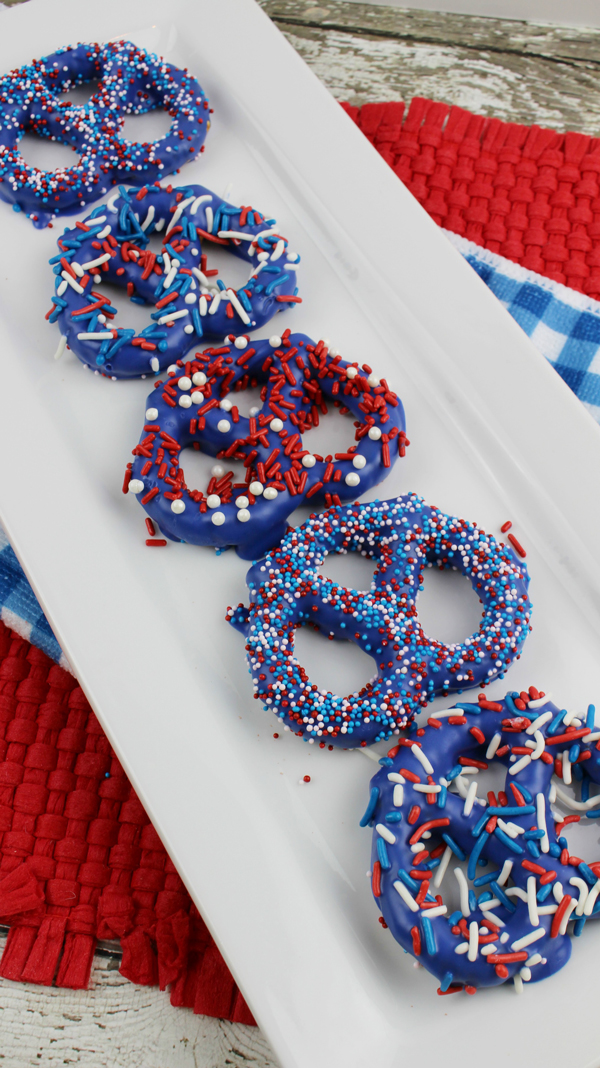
277,868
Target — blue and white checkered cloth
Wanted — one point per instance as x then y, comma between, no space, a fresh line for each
563,324
19,607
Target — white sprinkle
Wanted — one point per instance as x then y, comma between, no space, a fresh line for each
579,806
238,307
154,364
135,485
213,500
490,948
541,821
470,798
541,701
520,764
591,899
515,891
149,218
424,788
406,896
111,204
352,479
496,919
518,984
540,745
463,887
473,940
101,335
539,722
440,910
185,401
504,874
525,974
547,910
566,768
462,948
385,833
178,507
308,460
510,829
77,268
375,434
398,796
62,344
178,213
583,888
159,225
557,891
243,515
199,378
418,847
531,901
532,961
223,426
440,871
351,372
96,263
270,493
493,903
278,250
71,282
256,488
198,201
394,776
276,425
491,749
209,219
218,518
420,755
214,304
172,316
62,289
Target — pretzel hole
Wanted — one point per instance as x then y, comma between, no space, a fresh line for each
335,432
349,569
233,270
340,667
197,467
150,126
79,95
449,609
133,316
45,154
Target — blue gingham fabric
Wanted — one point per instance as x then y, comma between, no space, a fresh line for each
563,324
19,607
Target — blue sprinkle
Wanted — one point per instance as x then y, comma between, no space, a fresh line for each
562,841
197,322
408,881
588,874
17,207
386,762
370,810
579,925
499,892
479,844
533,834
276,282
508,700
441,799
454,847
574,752
474,710
486,896
591,715
382,854
393,817
544,892
483,879
507,841
511,810
454,918
452,774
472,900
532,849
446,982
585,788
429,936
556,722
555,849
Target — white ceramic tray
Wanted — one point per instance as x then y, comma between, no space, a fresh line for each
278,869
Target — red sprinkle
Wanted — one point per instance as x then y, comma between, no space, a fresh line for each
517,545
506,526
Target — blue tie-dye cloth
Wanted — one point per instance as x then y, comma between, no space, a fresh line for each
563,324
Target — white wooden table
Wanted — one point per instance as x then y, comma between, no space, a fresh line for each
516,71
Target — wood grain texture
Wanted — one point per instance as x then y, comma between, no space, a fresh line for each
116,1024
517,71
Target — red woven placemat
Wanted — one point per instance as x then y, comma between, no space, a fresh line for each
79,858
525,192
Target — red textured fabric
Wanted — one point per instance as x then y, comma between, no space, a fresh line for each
525,192
79,858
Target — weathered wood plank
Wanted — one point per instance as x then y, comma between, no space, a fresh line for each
116,1024
518,71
